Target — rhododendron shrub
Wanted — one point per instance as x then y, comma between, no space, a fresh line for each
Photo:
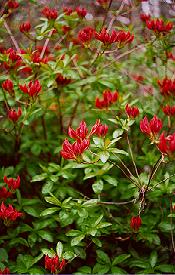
87,144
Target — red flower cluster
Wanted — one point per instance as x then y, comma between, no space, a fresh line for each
62,81
115,37
67,10
8,213
49,13
14,115
25,27
138,78
169,110
5,271
53,264
4,193
81,12
13,184
86,34
32,89
167,86
132,112
7,85
167,144
159,26
108,99
12,4
103,3
144,17
82,137
135,223
151,128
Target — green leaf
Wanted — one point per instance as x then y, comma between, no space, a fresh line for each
53,200
48,252
153,259
121,258
110,180
103,257
117,133
77,239
117,270
73,233
97,242
39,177
49,211
166,268
3,255
32,211
97,186
47,188
69,255
45,235
98,220
84,270
104,155
100,269
59,249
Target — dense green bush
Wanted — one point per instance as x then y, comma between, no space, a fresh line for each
87,142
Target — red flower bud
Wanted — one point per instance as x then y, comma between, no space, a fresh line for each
135,223
151,128
32,89
14,115
50,13
4,194
74,151
159,26
61,80
13,4
114,37
169,110
5,271
7,85
167,86
81,12
13,184
9,213
132,112
67,10
108,99
144,17
86,34
167,144
25,27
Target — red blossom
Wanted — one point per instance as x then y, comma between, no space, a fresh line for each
103,3
67,10
8,213
5,271
75,150
49,13
12,183
7,85
138,78
61,80
167,86
169,110
12,4
135,223
25,27
86,34
101,130
114,37
159,26
132,112
151,128
167,144
53,264
32,89
108,99
144,17
81,12
65,29
4,193
14,115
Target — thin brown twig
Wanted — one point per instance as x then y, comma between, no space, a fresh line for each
11,36
45,44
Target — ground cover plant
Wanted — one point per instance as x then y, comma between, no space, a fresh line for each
87,143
